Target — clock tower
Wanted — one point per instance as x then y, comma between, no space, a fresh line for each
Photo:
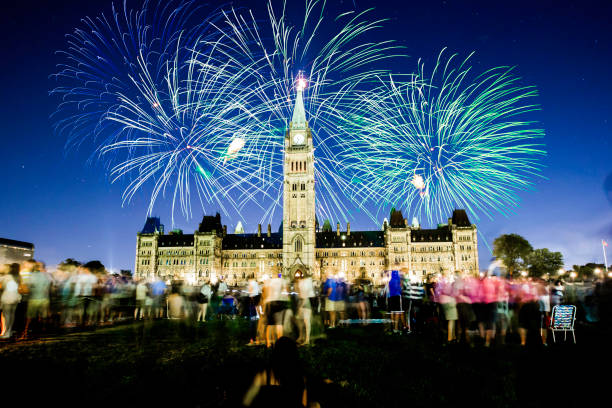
298,193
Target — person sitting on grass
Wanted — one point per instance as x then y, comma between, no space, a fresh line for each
283,383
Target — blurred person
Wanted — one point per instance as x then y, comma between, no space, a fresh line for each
432,306
176,305
416,292
393,291
502,316
95,309
544,307
26,269
158,290
333,302
203,299
10,297
254,296
361,303
38,304
342,294
306,294
557,293
140,296
528,310
228,305
222,287
282,383
488,298
274,310
84,288
190,293
465,315
448,303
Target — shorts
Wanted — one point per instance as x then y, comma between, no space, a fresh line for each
38,307
450,310
395,304
334,305
529,315
485,313
465,314
274,313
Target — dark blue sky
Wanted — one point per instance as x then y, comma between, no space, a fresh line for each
66,206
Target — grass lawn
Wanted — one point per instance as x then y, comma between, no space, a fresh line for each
160,363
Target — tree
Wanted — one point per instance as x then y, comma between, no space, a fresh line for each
513,251
588,271
542,261
95,267
68,265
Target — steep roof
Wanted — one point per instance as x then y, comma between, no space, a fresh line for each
152,225
460,219
19,244
397,219
211,223
252,241
298,121
357,239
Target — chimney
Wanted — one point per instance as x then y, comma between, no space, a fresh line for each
338,229
259,230
348,228
269,230
406,222
224,230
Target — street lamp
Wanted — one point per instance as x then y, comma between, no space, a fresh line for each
597,271
561,271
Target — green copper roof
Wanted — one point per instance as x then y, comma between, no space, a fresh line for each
298,121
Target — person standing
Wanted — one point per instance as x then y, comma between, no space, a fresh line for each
38,305
253,299
330,289
158,289
544,303
274,309
448,303
394,301
203,300
10,298
306,294
141,298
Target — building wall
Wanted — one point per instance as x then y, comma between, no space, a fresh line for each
206,259
15,254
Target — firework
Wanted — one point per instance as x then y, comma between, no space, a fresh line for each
329,65
131,88
195,107
430,143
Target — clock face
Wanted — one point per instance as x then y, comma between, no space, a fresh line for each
298,138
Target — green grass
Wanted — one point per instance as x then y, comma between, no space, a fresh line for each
158,362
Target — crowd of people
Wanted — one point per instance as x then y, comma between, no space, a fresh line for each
461,307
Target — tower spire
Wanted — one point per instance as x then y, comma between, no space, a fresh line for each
298,121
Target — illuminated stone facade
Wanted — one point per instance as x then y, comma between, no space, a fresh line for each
301,246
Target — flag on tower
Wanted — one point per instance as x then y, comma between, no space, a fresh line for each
604,243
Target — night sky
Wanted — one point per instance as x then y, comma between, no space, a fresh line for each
64,203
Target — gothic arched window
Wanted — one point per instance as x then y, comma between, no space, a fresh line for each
298,245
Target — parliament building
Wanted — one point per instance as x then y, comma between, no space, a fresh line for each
301,246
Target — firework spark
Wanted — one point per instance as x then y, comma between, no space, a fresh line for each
430,143
199,107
